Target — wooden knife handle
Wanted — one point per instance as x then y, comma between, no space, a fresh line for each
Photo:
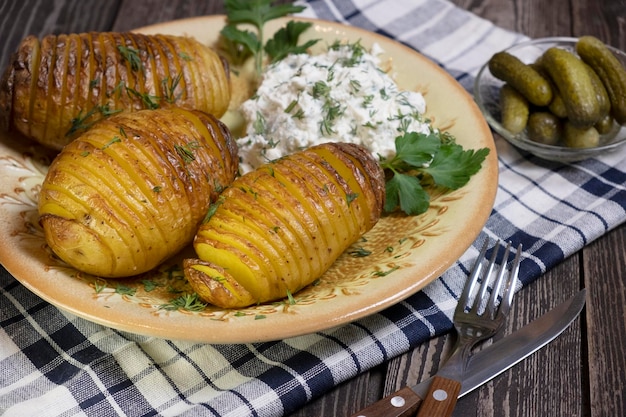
403,403
441,399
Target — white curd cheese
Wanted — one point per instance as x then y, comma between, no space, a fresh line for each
341,95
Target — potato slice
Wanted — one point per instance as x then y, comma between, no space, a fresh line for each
132,191
320,201
274,249
280,233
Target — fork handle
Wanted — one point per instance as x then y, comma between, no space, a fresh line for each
441,399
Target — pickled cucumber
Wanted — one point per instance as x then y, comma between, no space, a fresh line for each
544,127
571,78
605,125
514,107
601,94
522,77
612,73
557,105
576,137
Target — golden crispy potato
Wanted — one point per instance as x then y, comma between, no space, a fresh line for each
278,228
57,87
131,191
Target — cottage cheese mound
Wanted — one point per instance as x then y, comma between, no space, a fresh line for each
341,95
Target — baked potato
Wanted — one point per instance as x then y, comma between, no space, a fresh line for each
57,87
278,228
132,190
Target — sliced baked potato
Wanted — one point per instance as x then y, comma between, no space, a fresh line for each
59,86
277,229
132,190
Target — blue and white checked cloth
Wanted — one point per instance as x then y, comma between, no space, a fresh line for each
55,364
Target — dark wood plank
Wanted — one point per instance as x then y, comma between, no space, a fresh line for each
41,17
136,13
605,278
539,18
348,397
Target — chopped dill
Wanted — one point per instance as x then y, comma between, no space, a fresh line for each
187,302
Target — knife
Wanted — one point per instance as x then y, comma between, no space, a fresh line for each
488,362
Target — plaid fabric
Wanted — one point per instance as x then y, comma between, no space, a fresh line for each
55,364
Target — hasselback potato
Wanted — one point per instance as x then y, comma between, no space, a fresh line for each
57,87
132,191
280,227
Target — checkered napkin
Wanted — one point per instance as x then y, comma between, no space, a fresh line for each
55,364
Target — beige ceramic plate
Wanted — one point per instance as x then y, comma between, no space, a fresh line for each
406,252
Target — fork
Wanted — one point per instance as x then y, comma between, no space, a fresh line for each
483,320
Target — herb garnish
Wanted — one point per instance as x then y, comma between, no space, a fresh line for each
186,151
149,101
385,273
125,290
115,139
188,302
132,56
360,252
149,285
91,117
285,41
422,160
212,209
169,86
243,43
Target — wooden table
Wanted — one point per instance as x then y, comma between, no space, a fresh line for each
582,373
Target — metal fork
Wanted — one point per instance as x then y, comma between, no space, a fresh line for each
483,320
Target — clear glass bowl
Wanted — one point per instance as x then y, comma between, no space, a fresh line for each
486,94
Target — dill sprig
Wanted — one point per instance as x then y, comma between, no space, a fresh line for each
85,121
131,56
188,302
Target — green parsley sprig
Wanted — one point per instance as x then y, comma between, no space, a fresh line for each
423,160
241,43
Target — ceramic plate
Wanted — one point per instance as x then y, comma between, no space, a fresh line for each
407,253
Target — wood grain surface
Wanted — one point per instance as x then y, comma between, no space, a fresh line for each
583,372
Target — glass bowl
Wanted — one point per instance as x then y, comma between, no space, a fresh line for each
486,94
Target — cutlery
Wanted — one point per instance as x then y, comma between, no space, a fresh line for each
492,360
489,361
481,322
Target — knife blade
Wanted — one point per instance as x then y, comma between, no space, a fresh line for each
488,362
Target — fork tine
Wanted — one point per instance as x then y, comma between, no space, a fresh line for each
497,283
507,297
478,300
473,278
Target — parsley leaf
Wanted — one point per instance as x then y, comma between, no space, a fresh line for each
426,159
248,41
417,149
452,166
406,192
285,41
256,13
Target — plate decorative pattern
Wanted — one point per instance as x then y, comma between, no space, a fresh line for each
392,261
